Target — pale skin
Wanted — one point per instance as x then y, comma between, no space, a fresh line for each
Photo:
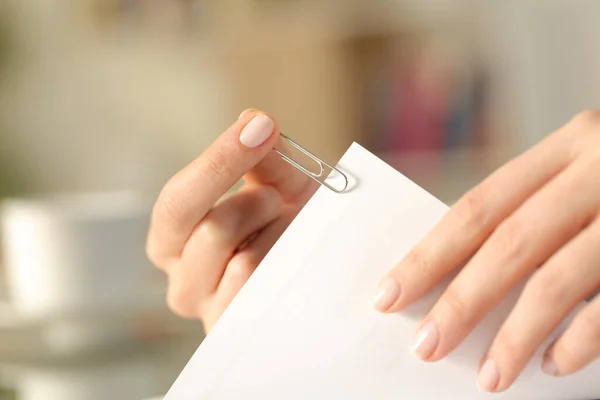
536,219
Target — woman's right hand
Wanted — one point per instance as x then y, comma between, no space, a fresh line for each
209,244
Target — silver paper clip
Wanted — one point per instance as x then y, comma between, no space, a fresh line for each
324,169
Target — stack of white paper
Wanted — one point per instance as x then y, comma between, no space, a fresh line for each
303,326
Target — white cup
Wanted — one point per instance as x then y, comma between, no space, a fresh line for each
76,254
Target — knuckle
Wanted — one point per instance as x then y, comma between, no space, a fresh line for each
242,266
458,306
509,345
589,326
155,256
472,207
418,261
547,288
509,241
219,226
217,164
167,207
157,253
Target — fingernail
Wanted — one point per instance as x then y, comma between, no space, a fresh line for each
426,341
257,131
549,367
488,377
389,291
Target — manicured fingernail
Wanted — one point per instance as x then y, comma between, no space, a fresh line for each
257,131
426,341
389,291
549,367
488,377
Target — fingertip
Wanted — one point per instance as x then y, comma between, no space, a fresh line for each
488,377
549,367
257,131
255,128
426,342
387,295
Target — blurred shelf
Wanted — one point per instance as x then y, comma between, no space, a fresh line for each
400,16
275,23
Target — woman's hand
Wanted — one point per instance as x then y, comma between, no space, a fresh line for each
536,218
209,245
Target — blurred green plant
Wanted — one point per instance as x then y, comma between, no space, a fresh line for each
11,183
6,42
7,394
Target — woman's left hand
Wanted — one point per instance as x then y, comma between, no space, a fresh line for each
536,218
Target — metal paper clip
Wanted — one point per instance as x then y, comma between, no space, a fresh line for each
324,169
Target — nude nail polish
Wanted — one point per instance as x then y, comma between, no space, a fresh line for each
426,341
549,367
257,131
488,377
387,295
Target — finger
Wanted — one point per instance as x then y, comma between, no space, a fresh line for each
189,194
521,243
245,262
566,280
214,242
580,343
470,222
578,346
274,171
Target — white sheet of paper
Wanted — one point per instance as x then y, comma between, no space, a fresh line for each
303,327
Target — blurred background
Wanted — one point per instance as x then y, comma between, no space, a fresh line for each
101,101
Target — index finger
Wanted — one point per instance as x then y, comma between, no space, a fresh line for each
192,192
